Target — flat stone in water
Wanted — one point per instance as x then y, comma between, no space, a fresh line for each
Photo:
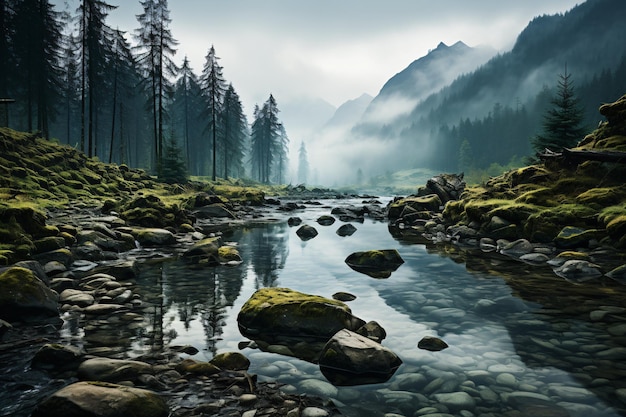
314,412
567,393
456,400
317,387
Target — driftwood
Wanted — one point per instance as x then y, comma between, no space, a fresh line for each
579,155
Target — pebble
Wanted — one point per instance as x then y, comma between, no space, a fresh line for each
314,412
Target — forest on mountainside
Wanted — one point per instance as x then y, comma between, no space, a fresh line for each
489,116
123,97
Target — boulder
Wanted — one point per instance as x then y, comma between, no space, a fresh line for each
100,399
574,237
25,297
448,187
351,359
325,220
233,361
214,210
55,357
398,208
273,314
112,370
306,232
346,230
229,255
375,263
294,221
434,344
204,251
577,271
154,237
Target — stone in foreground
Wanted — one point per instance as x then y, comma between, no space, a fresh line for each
101,399
351,359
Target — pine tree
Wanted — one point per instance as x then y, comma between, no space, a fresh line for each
173,169
185,113
37,45
95,41
562,123
235,127
303,164
213,88
156,45
268,142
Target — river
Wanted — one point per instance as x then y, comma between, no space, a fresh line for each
522,341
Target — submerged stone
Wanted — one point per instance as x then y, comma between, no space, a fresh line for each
306,232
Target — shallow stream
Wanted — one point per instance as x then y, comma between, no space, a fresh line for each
521,339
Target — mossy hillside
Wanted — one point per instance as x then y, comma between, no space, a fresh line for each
542,199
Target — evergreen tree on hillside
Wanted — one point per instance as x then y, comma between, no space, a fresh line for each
268,140
185,112
213,88
37,47
156,45
173,169
235,126
562,125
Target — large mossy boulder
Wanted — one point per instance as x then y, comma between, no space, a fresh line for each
427,203
351,359
375,263
206,251
150,211
276,314
101,399
25,297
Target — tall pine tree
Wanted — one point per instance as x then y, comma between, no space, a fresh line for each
303,164
157,48
235,126
213,88
267,139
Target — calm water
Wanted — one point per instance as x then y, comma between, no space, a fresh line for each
520,338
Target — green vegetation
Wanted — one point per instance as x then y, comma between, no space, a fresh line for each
542,200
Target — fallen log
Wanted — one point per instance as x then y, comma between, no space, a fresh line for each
579,155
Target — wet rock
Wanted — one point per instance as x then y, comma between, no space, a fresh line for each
274,312
190,366
48,244
154,237
205,251
294,221
574,237
456,401
76,297
325,220
433,344
618,274
229,255
375,263
344,296
231,360
351,359
578,271
372,330
427,203
112,370
517,248
346,230
100,399
214,210
55,357
25,297
306,232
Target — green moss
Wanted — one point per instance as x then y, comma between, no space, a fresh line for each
542,196
617,226
19,284
601,197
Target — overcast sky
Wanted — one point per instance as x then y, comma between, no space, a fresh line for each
331,49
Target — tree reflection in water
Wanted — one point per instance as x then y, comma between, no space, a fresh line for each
177,294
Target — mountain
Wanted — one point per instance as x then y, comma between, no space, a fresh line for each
349,112
489,115
423,77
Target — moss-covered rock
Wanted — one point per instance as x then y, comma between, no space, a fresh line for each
205,251
234,361
272,314
375,263
25,297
